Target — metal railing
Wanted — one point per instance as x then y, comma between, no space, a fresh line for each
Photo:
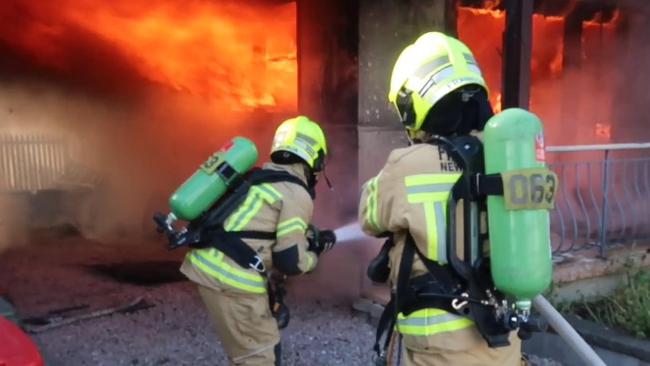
31,163
603,198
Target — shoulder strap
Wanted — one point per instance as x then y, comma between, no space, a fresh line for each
492,331
260,176
436,289
218,214
404,299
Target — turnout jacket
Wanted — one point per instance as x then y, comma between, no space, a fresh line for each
284,208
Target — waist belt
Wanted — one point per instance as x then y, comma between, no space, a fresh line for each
231,243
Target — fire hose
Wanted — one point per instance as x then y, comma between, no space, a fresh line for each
566,331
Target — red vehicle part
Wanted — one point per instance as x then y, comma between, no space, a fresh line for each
16,348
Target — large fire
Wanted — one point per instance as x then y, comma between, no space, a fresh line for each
225,51
482,30
554,89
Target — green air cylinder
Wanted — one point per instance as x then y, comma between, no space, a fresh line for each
519,230
198,193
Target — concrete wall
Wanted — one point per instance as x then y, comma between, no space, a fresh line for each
385,28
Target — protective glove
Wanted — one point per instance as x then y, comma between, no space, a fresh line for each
378,270
277,293
320,241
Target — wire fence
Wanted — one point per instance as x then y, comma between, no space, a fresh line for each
604,196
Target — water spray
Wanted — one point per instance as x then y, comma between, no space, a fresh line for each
349,232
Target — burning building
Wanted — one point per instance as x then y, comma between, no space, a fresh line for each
134,95
581,60
106,107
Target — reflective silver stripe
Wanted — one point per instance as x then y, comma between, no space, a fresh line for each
430,188
436,79
306,138
441,230
225,273
430,320
474,68
429,67
469,58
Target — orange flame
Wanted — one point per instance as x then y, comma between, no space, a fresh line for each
554,90
604,131
496,104
482,29
227,52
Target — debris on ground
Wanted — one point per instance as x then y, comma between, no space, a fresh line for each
56,319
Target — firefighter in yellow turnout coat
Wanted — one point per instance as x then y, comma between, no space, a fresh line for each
236,297
438,89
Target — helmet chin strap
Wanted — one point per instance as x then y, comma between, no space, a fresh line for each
327,180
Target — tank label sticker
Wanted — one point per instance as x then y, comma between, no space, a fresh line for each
529,189
211,165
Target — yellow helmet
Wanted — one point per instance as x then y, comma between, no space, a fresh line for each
302,138
427,71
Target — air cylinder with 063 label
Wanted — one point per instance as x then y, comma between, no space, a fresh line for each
519,227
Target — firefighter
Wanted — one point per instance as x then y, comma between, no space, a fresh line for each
438,90
276,217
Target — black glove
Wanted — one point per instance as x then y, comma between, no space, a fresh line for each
378,270
277,293
320,240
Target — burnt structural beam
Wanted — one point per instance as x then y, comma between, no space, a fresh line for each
517,46
572,51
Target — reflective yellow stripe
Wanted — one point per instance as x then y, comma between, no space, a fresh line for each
251,206
236,218
245,213
270,194
288,226
310,261
432,234
371,204
431,321
432,191
211,261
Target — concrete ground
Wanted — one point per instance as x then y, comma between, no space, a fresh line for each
59,273
67,272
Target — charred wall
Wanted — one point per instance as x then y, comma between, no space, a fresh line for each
328,78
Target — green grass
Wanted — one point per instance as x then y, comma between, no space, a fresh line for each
627,309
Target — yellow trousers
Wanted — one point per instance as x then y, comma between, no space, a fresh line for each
244,324
463,347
